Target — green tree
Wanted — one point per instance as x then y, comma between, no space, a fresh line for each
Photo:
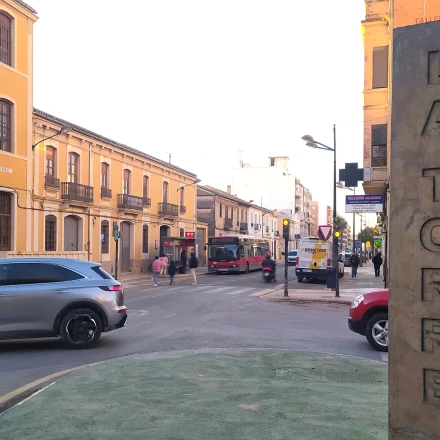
342,222
367,234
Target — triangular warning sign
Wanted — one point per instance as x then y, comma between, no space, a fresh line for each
324,232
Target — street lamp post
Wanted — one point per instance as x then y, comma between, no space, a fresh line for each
310,142
63,129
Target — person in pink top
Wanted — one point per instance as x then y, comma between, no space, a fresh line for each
164,261
156,267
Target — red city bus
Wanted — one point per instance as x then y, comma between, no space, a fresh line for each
236,253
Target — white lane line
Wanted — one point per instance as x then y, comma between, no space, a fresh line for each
169,316
261,292
135,325
237,292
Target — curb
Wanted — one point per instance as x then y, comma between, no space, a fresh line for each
310,300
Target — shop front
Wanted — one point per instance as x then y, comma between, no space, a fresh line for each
174,246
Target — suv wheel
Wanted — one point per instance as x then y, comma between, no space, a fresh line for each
81,328
376,331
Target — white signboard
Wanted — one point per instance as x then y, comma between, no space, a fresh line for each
5,170
365,203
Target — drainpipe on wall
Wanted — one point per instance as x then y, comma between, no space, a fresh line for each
89,219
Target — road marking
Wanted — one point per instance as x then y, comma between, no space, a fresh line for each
262,292
169,316
220,289
237,292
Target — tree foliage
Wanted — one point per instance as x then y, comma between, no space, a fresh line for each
368,234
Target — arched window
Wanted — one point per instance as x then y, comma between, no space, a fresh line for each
5,221
73,168
145,239
51,233
5,39
145,186
182,232
165,192
126,182
104,174
104,237
5,125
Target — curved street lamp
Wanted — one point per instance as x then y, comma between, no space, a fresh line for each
312,143
63,129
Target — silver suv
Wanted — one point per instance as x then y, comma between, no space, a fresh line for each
49,297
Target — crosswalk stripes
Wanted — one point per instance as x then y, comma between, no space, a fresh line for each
155,292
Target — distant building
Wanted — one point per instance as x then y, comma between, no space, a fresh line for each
321,215
304,223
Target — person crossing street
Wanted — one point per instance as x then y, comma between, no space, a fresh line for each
193,264
354,262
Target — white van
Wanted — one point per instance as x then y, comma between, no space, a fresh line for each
314,256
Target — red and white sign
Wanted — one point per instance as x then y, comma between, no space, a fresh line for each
324,232
189,234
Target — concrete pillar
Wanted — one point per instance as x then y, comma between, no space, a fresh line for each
414,359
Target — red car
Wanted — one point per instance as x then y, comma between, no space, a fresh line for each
368,316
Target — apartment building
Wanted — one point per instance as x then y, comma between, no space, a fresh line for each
16,79
303,220
381,17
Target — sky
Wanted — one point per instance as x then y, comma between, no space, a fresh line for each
203,79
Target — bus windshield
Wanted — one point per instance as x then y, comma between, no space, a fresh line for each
223,252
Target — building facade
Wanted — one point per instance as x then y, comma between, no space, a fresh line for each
16,78
381,17
303,220
226,214
66,191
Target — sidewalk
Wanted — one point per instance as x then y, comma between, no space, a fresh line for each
349,288
127,278
210,394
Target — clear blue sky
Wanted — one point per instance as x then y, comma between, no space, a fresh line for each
203,79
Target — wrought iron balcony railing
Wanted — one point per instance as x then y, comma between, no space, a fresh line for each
76,191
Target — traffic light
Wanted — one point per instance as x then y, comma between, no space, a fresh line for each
337,227
115,230
286,228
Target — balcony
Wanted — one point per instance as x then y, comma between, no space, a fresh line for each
243,226
75,191
106,193
51,182
228,223
256,227
127,201
146,201
182,209
167,209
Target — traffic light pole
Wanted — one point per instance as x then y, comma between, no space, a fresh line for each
117,259
286,266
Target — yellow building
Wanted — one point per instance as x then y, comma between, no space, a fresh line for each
85,185
381,17
16,46
66,191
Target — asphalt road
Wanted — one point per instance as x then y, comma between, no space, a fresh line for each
220,312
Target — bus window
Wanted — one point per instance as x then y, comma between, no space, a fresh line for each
240,251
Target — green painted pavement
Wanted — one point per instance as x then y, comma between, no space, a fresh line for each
211,394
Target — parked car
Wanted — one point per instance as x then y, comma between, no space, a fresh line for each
291,256
345,258
368,316
50,297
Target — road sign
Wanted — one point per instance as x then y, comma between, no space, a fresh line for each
368,244
324,232
364,203
102,238
351,175
378,243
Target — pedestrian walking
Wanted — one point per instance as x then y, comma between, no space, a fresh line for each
377,261
183,262
354,262
164,262
156,267
172,272
193,263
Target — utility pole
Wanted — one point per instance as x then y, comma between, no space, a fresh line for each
116,237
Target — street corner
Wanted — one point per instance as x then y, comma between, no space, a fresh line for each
203,394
